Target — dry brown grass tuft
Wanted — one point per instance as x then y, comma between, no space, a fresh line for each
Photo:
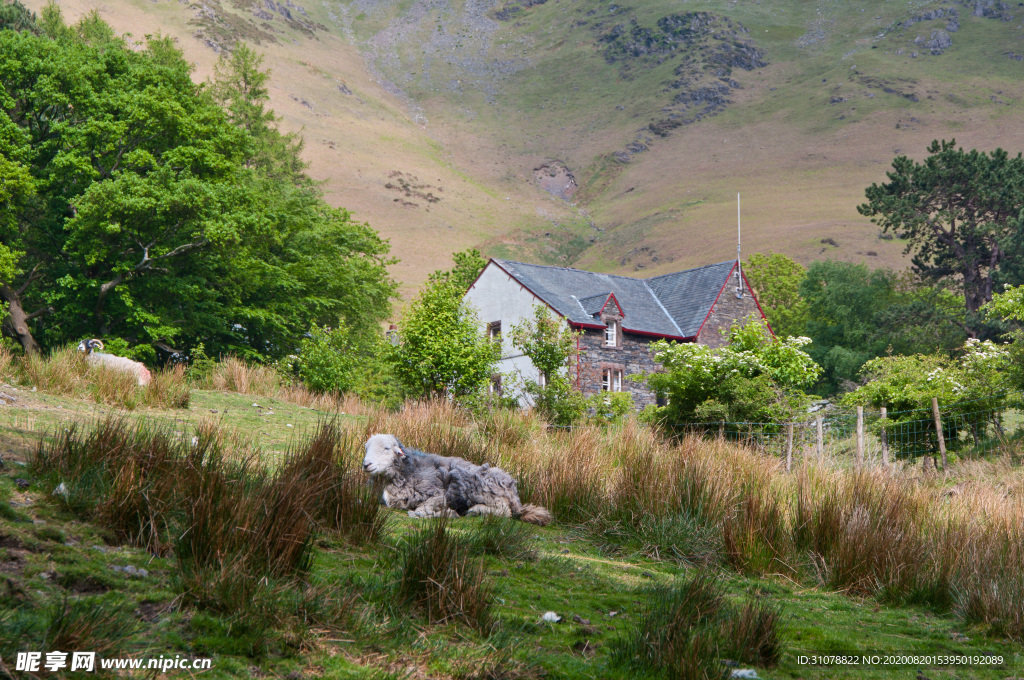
232,374
65,371
61,372
757,537
439,576
438,426
331,461
168,389
6,362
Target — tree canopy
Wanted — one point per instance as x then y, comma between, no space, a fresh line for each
441,348
776,280
855,314
137,203
959,211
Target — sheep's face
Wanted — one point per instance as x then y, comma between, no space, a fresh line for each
383,452
88,346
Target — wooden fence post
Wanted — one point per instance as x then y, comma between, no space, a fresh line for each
938,431
885,440
821,437
789,447
860,436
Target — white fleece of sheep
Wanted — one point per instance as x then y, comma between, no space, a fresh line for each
428,485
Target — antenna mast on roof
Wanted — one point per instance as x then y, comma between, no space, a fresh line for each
739,241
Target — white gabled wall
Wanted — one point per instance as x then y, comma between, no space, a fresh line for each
496,296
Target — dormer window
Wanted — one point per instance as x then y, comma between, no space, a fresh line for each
611,333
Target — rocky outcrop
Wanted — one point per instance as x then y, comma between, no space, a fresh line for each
989,9
702,36
939,42
949,13
556,179
708,47
511,10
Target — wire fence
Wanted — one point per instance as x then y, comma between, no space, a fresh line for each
878,436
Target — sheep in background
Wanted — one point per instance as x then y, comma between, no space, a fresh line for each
113,361
428,485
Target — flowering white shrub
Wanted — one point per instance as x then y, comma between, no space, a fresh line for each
755,378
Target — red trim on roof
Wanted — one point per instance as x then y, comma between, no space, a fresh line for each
661,335
611,296
712,307
601,327
757,303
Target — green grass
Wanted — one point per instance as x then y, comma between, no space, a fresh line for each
357,611
571,577
271,426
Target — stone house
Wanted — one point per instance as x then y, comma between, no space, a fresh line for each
619,316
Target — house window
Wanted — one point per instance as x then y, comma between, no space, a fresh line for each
495,386
611,333
494,331
611,380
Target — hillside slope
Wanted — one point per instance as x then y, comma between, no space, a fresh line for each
615,136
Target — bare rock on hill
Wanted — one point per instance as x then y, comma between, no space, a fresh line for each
952,14
707,49
556,179
511,10
706,36
939,42
411,187
990,9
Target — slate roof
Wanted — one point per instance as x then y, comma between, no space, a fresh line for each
595,303
672,305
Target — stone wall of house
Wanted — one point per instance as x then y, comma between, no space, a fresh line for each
727,309
634,357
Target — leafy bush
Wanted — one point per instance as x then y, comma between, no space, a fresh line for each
610,407
328,360
550,345
971,389
755,378
441,350
558,401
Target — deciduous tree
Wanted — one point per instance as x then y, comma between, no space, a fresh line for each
776,280
442,350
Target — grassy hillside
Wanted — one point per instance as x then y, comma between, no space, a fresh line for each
447,124
769,566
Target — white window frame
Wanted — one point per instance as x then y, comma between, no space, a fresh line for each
611,333
611,380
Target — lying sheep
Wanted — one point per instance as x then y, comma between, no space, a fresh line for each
428,485
113,361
